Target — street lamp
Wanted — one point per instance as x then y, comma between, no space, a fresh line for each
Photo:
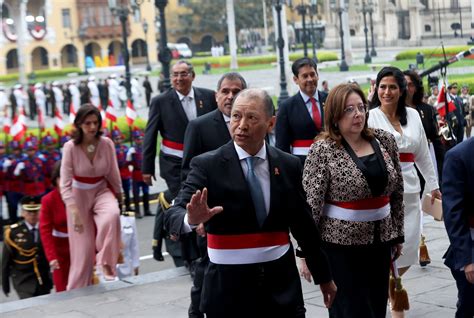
339,9
365,10
122,11
312,12
371,10
145,30
281,44
164,55
82,33
301,8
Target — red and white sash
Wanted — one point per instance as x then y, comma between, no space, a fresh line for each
172,148
407,160
301,147
247,248
87,183
366,210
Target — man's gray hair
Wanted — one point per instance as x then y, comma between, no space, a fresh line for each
190,66
232,76
258,93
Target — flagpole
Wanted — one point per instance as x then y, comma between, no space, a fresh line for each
443,71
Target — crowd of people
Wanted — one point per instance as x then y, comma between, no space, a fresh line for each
342,172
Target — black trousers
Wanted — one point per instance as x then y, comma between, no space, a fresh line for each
465,304
361,275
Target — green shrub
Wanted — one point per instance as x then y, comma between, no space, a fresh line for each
438,52
41,73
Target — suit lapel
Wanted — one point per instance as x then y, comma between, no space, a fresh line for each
303,109
221,126
320,98
178,107
275,179
199,100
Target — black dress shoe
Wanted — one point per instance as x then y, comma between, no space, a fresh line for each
157,255
138,216
148,213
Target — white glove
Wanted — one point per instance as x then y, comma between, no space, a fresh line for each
130,152
18,168
7,163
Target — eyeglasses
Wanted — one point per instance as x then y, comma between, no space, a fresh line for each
351,109
181,74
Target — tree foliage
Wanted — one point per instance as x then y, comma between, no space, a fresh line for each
211,16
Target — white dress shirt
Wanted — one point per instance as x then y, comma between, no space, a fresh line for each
189,104
309,106
31,227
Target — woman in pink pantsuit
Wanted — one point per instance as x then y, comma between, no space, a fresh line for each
91,189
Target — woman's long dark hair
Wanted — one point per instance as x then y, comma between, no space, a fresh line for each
402,84
419,89
84,111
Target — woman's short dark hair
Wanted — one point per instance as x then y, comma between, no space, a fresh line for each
419,89
84,111
334,111
56,173
402,85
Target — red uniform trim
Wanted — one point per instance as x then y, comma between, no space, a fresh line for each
240,241
364,204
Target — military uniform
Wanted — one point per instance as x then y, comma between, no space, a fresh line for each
125,174
23,260
13,187
50,156
31,172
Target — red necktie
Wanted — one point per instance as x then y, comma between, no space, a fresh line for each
316,114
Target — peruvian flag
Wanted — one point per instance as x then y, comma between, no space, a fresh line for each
130,113
111,113
7,123
441,104
18,128
102,115
58,121
72,113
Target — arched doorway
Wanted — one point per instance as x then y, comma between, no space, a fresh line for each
69,56
115,53
39,59
93,55
138,51
185,40
12,61
206,42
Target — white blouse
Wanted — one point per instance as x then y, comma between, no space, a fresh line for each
412,140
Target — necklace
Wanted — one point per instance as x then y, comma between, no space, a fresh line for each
90,148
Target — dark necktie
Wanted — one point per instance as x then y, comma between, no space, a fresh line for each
256,191
34,232
316,114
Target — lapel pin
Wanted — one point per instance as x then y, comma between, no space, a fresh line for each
277,171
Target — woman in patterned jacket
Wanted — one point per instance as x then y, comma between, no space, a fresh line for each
354,186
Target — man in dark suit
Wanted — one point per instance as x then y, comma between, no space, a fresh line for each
169,115
148,90
204,134
252,270
458,211
23,258
301,117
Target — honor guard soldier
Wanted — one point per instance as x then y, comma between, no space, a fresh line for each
23,258
50,156
31,171
125,174
13,185
135,158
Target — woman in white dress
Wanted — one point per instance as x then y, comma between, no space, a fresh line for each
391,114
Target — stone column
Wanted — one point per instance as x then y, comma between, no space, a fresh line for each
231,34
414,8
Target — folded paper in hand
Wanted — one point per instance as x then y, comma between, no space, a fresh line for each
435,209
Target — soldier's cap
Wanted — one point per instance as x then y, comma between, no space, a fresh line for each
29,145
38,85
91,78
55,83
453,85
30,203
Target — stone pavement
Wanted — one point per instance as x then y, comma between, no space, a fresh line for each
165,294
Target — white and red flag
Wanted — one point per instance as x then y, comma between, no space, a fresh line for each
58,121
441,104
111,113
7,123
130,113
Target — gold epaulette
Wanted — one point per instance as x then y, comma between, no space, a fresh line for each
128,213
162,200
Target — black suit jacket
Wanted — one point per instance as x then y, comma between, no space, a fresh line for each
458,203
167,117
203,134
295,123
230,290
23,276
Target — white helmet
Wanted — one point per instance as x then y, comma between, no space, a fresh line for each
73,82
17,86
113,75
38,85
55,83
91,78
